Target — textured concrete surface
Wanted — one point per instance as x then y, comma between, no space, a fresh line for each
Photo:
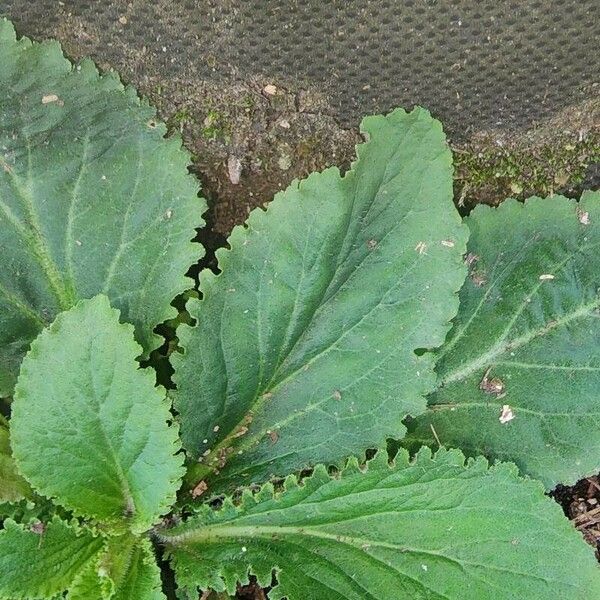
267,90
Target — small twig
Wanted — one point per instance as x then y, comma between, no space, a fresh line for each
587,515
435,435
593,483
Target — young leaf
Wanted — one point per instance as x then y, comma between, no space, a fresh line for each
135,574
39,563
127,570
90,584
12,486
520,373
93,199
88,427
305,348
434,528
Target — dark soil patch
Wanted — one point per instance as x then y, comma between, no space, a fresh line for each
251,592
581,504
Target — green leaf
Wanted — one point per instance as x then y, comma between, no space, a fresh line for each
40,564
520,373
90,584
134,572
88,427
13,487
433,529
305,345
126,571
93,199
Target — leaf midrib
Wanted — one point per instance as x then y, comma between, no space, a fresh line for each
497,406
217,532
130,549
213,534
98,400
503,344
260,395
33,236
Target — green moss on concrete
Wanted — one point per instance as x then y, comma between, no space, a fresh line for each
216,125
491,173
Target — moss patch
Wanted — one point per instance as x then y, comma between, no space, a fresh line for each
554,157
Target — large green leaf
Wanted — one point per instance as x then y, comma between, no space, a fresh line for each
433,529
520,373
12,486
88,427
307,344
93,199
41,562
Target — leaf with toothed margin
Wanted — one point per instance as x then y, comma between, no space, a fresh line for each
34,508
136,577
431,529
90,583
126,570
310,344
520,372
42,563
93,199
89,428
134,573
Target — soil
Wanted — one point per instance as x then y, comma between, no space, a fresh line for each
581,504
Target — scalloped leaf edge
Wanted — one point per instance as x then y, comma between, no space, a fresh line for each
233,506
171,424
195,249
